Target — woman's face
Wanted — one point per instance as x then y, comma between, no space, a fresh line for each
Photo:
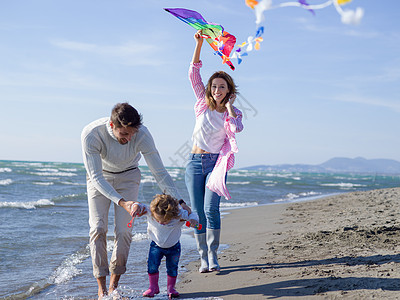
219,89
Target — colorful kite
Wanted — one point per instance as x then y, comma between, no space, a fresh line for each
347,17
221,41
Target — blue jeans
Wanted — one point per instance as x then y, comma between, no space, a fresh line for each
171,254
203,201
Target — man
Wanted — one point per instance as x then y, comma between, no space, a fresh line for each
112,148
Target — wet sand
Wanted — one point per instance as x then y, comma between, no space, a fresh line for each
341,247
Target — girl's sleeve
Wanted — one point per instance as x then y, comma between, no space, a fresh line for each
194,216
186,216
195,80
235,124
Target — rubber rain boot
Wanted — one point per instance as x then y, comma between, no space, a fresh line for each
153,289
213,236
172,293
203,251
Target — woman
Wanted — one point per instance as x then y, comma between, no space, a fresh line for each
212,155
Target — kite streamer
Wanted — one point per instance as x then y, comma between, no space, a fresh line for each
221,41
347,17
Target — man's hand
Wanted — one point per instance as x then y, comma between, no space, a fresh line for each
132,207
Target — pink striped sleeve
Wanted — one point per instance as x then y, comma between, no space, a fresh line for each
235,124
198,88
195,80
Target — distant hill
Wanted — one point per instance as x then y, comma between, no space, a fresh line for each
339,164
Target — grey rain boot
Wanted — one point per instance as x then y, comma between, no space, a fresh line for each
203,251
213,244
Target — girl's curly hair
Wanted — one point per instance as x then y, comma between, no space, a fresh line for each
165,206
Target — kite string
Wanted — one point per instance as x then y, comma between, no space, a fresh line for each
348,17
298,4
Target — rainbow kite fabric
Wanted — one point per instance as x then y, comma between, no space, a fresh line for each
221,41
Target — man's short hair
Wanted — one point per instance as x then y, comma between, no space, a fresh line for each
124,115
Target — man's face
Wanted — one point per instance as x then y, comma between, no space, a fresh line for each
123,134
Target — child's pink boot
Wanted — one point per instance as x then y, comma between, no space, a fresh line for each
153,289
172,293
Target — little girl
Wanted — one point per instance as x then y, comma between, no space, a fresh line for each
165,218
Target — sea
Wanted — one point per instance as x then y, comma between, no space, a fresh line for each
44,231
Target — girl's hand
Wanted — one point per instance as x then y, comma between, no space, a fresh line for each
229,106
193,223
198,36
232,99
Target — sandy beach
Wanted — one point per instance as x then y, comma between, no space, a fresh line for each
340,247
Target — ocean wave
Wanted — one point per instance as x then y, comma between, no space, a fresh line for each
65,272
27,205
6,182
344,185
242,174
72,183
174,173
293,196
236,204
25,164
68,270
239,182
68,170
43,183
140,237
288,175
148,179
56,173
4,170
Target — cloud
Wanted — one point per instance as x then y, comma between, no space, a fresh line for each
129,53
372,101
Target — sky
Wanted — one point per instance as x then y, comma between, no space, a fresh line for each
316,89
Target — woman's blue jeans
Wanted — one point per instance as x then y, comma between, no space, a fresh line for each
171,254
203,201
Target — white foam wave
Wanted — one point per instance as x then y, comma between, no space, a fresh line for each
68,270
242,174
4,170
148,179
27,205
278,175
43,183
68,170
56,173
239,182
292,196
140,237
24,164
6,182
72,183
47,170
235,204
343,185
174,173
269,183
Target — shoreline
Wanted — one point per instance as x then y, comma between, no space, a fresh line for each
335,247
